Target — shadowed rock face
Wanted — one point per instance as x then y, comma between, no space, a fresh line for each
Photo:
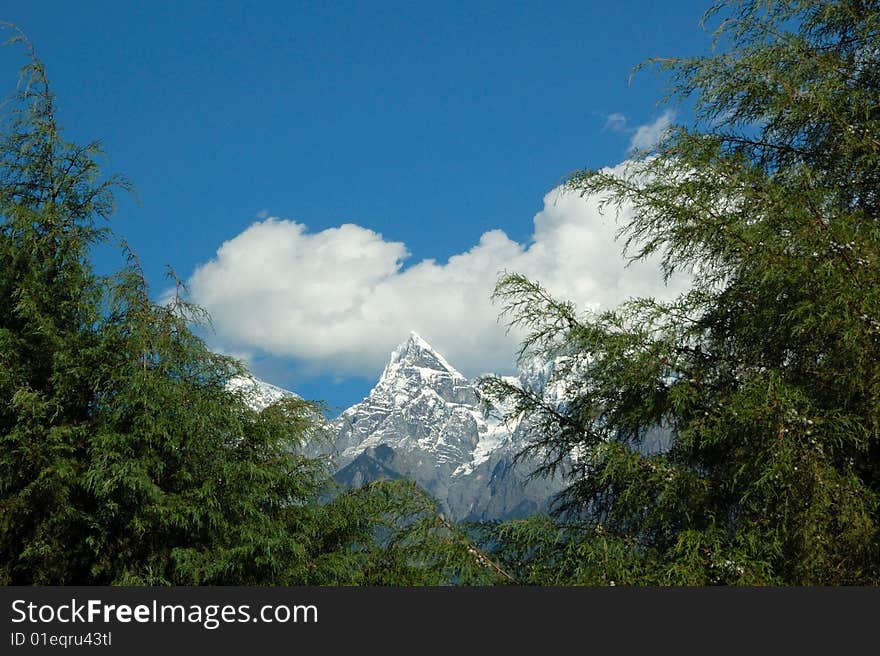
374,464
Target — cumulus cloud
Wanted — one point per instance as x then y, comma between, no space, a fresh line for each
338,301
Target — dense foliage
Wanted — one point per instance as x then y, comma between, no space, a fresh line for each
765,376
124,457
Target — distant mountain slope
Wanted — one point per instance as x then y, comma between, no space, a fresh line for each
258,393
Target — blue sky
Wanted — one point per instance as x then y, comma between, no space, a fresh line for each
423,127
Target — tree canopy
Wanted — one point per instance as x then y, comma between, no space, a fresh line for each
125,458
729,436
764,377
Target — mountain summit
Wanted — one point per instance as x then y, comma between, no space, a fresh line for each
416,350
421,403
424,421
414,368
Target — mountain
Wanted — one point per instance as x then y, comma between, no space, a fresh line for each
258,393
424,421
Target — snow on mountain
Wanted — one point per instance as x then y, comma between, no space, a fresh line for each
258,393
441,435
424,421
421,402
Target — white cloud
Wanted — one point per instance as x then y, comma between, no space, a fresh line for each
337,301
649,134
616,122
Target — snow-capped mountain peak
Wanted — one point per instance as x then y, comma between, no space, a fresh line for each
416,369
416,356
425,421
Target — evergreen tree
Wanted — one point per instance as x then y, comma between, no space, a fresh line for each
765,375
124,457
